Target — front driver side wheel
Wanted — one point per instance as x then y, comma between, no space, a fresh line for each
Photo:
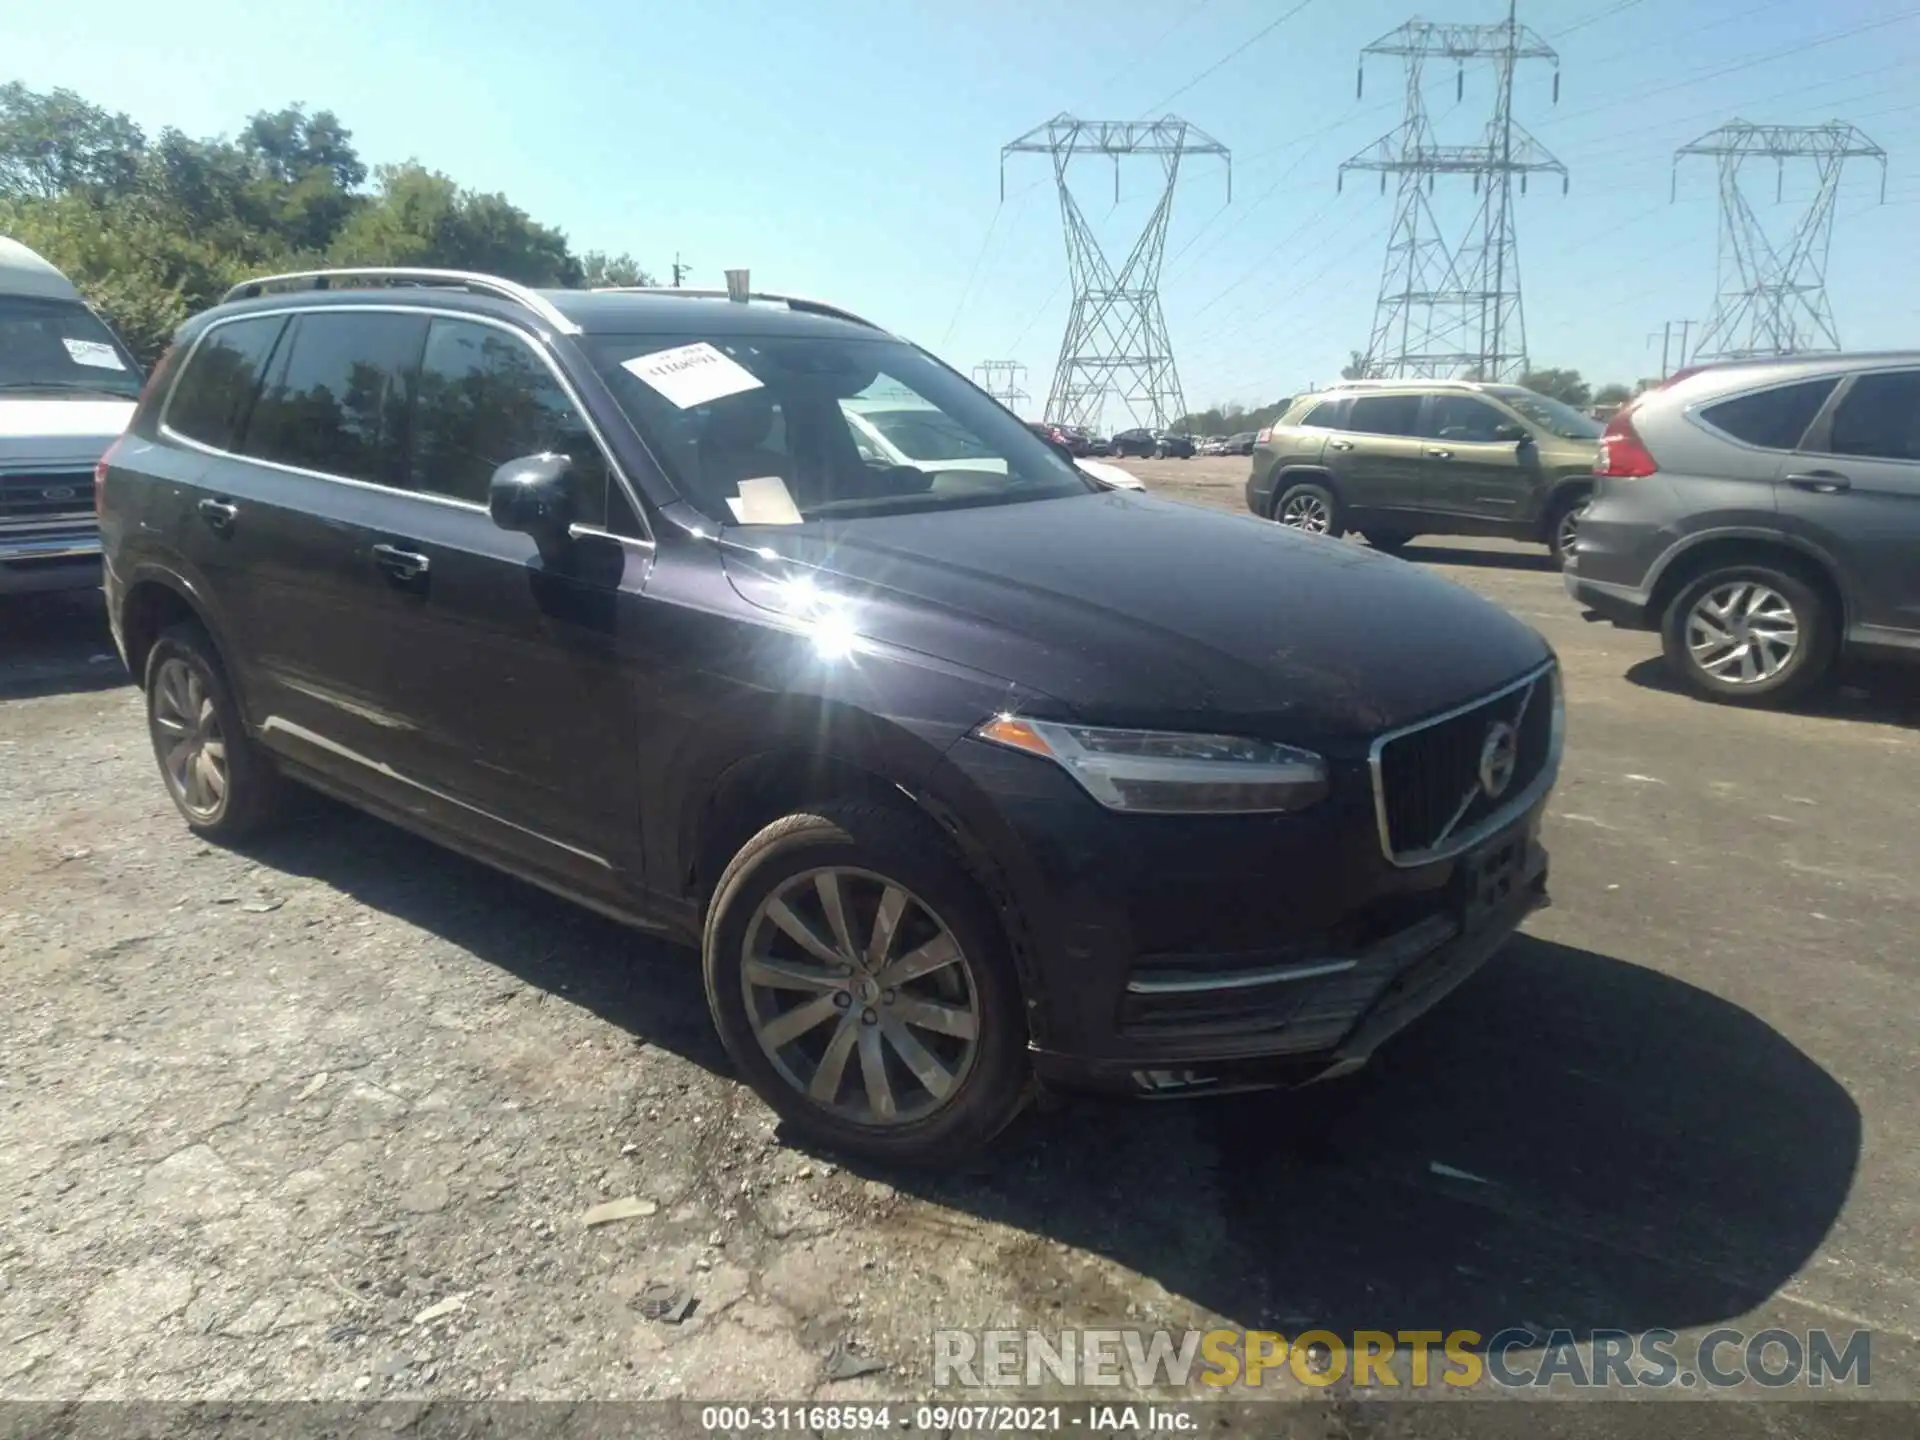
860,982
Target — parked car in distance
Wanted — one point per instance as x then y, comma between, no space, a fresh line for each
67,387
950,802
1210,445
1764,517
1395,459
1099,446
1153,444
1241,444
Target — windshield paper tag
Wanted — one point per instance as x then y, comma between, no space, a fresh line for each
96,353
764,501
690,375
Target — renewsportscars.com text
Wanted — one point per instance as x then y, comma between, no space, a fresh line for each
1514,1358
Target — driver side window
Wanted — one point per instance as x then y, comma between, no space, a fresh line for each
1463,418
485,398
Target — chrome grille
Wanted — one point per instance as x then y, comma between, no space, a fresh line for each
1448,782
33,498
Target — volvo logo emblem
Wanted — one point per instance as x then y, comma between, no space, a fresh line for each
58,492
1499,753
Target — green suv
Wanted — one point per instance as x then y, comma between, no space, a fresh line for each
1394,459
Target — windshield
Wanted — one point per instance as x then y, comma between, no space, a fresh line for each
1550,414
60,346
782,429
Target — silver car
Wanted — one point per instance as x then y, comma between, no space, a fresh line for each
1763,516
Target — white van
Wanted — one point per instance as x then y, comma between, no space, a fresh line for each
67,390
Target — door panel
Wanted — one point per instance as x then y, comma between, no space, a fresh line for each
1855,492
1469,471
1378,460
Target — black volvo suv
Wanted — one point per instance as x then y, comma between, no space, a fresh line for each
962,779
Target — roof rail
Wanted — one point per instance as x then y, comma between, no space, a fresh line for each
792,302
372,277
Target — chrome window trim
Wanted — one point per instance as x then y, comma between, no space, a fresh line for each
1457,843
432,312
411,276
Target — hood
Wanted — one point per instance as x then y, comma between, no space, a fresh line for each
1132,610
40,431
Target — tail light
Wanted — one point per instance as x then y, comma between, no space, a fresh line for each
1264,436
1623,454
147,390
100,471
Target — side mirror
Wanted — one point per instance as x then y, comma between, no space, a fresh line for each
1517,433
531,495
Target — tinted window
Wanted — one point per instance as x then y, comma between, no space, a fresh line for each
1880,416
338,400
1773,419
1326,415
1385,414
487,398
1463,418
211,397
1551,415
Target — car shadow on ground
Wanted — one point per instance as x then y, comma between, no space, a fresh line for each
1458,554
1874,694
1569,1140
56,644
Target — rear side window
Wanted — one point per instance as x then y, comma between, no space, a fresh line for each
485,399
1327,415
1772,419
338,398
1880,417
1385,415
213,394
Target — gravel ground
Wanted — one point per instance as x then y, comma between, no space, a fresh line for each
326,1119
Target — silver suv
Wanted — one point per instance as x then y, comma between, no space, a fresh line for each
1762,515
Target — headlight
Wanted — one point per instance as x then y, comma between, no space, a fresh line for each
1170,772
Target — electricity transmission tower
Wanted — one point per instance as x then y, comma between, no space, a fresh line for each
1773,300
1003,379
1444,310
1116,340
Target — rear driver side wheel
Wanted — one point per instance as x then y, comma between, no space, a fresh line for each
1310,508
1750,635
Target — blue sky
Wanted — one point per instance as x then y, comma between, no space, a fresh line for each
849,149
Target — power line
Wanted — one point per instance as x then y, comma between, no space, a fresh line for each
1230,56
1596,18
967,289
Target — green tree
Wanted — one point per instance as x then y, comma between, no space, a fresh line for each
56,143
421,217
1356,366
1613,395
1563,385
598,268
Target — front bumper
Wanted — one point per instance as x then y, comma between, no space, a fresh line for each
1168,954
39,563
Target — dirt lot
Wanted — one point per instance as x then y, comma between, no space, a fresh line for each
324,1119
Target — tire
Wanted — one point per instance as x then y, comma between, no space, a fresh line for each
225,785
1390,541
874,851
1795,604
1304,499
1562,525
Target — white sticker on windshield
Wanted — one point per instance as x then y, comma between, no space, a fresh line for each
690,375
96,353
764,501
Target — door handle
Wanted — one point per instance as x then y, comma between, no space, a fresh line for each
1821,482
1339,445
219,514
1439,454
401,564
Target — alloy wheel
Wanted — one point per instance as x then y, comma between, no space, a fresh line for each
1567,531
860,996
188,739
1306,512
1743,632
